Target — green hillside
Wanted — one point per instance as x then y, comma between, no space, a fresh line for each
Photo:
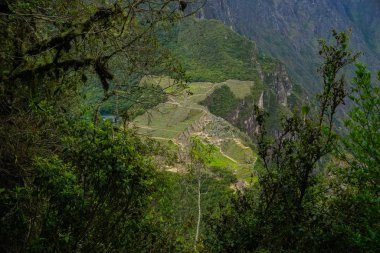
210,51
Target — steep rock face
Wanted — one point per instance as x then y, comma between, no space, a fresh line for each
220,10
289,29
244,117
280,83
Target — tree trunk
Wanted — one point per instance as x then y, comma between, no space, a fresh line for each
199,212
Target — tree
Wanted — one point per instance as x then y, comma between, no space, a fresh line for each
363,141
284,212
51,48
59,179
292,159
356,178
200,155
222,102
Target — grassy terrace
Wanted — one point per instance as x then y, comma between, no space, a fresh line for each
167,120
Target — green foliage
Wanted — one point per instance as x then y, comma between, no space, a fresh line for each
282,213
101,174
84,43
130,104
221,102
68,185
201,152
174,211
363,141
235,229
357,205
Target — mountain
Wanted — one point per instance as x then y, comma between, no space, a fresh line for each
211,52
289,29
227,77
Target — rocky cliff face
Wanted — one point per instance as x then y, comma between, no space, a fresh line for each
289,29
280,84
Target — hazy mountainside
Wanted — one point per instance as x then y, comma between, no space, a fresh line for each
288,29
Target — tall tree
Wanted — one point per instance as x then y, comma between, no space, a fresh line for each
50,48
283,213
200,155
291,159
356,178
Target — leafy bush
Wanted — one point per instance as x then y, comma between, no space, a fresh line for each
90,199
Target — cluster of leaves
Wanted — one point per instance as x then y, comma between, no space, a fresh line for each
90,198
55,42
357,178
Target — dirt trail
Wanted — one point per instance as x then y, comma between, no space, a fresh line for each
229,157
155,129
200,108
238,142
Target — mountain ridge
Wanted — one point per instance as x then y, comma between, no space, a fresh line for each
275,27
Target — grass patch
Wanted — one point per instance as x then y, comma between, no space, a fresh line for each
240,89
243,155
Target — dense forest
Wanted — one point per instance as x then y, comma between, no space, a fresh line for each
133,126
